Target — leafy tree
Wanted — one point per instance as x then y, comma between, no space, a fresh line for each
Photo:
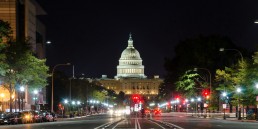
187,84
5,31
199,52
242,75
22,67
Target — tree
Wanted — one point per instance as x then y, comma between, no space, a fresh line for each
199,52
188,84
242,75
22,67
5,31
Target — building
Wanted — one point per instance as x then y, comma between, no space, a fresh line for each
130,77
23,18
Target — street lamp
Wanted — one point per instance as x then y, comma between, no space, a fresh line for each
35,97
239,109
224,94
223,49
52,97
195,69
22,89
48,42
256,85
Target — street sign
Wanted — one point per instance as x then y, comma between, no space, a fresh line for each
224,106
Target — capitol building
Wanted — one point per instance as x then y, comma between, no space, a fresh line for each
130,77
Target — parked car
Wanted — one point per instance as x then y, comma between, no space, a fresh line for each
16,118
37,117
26,117
47,116
4,118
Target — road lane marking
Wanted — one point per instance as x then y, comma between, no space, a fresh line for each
175,125
135,123
138,124
102,125
117,124
171,124
158,124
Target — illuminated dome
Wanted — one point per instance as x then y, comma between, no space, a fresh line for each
130,63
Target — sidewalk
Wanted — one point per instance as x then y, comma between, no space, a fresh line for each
220,116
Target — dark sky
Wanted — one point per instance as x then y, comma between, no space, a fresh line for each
91,34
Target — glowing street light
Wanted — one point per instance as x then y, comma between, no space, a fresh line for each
192,100
22,88
65,101
256,85
223,49
239,109
224,94
238,90
48,42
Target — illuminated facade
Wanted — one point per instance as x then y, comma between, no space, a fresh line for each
22,16
130,76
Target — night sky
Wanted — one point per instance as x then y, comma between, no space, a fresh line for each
91,34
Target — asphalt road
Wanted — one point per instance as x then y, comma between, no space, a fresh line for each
165,121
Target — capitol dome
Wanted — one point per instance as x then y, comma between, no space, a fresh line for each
130,54
130,63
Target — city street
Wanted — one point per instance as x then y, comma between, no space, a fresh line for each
165,121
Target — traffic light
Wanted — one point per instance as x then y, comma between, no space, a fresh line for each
206,93
136,98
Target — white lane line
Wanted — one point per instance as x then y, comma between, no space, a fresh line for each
175,125
102,125
138,124
158,124
117,124
135,124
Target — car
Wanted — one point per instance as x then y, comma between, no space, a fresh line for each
37,117
47,116
4,118
26,117
16,118
157,112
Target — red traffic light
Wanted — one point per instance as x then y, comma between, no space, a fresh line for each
206,92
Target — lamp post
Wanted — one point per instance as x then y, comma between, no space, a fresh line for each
52,97
195,69
242,59
198,100
192,100
256,85
239,109
35,97
22,89
224,94
223,49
